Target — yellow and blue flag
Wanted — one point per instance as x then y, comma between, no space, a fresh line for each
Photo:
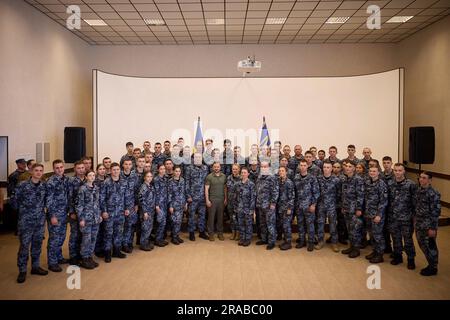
265,139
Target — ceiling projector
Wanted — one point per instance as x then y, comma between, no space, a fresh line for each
249,65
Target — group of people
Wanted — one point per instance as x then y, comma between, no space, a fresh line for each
144,197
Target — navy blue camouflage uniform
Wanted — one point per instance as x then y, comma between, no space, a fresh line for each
352,201
267,191
162,197
29,200
400,216
75,235
330,195
376,201
114,198
286,201
147,203
57,203
133,182
427,212
245,196
307,193
88,210
195,189
177,200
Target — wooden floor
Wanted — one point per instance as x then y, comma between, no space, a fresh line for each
223,270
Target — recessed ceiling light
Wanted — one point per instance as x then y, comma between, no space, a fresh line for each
154,22
95,22
399,19
215,21
337,19
275,20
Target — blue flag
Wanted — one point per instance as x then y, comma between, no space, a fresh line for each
265,139
198,136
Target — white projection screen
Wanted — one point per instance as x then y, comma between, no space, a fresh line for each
365,110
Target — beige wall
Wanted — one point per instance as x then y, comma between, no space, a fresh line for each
46,75
45,82
425,56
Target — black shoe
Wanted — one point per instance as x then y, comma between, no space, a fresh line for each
428,271
95,264
175,241
348,250
388,249
285,246
145,247
371,255
86,263
126,249
192,236
354,253
247,243
100,254
63,261
300,244
21,277
241,242
160,243
74,261
260,242
130,246
270,246
55,268
108,256
310,246
165,243
180,240
203,235
328,240
39,271
377,258
411,264
118,254
397,260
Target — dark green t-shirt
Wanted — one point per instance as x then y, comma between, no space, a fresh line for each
216,186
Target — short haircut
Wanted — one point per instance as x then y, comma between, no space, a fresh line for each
37,165
209,139
89,171
375,160
167,141
167,160
351,162
246,169
157,144
141,156
303,161
126,160
332,147
85,158
328,162
308,152
399,164
323,151
77,163
146,141
428,174
106,158
57,161
115,164
136,149
29,162
387,158
129,144
351,146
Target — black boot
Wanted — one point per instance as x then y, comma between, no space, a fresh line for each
310,246
354,253
203,235
411,264
95,264
371,255
160,243
86,263
270,246
74,261
21,277
55,268
126,249
428,271
118,254
145,247
286,245
192,236
175,241
300,244
261,242
39,271
107,256
180,240
377,258
348,250
397,259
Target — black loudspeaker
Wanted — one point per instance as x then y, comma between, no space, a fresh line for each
74,144
421,145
